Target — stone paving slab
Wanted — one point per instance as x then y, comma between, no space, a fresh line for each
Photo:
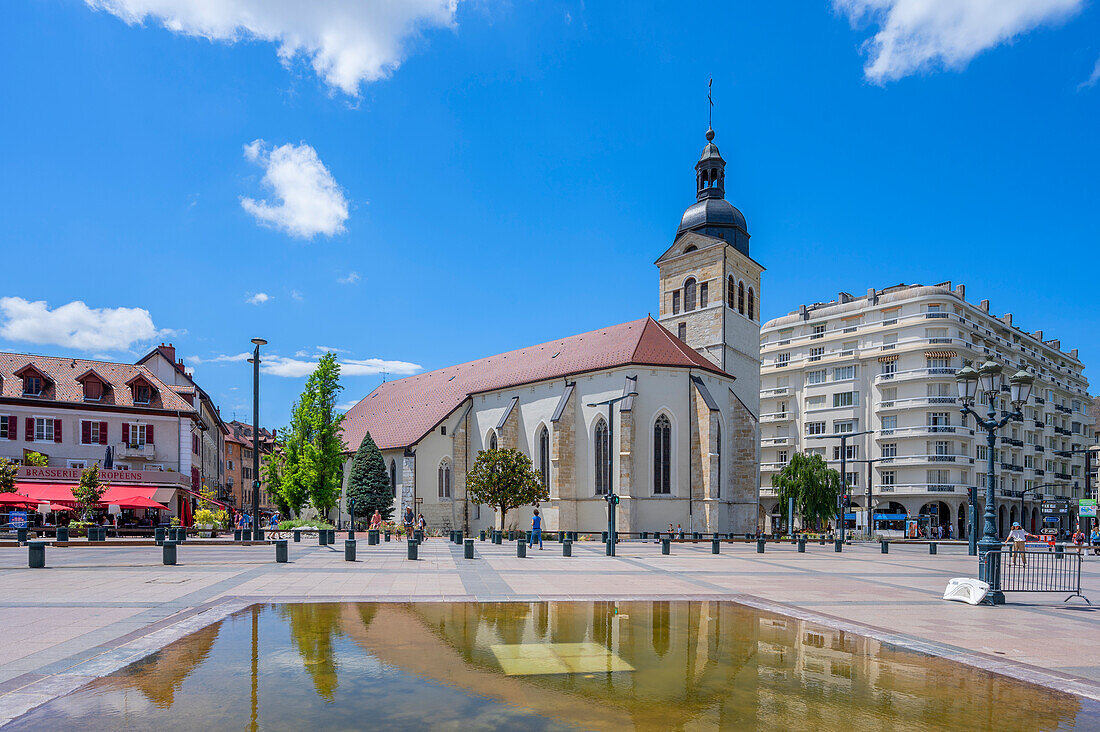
94,610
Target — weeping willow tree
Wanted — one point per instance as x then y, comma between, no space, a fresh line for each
812,484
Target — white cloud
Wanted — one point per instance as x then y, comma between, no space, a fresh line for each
1093,77
258,299
298,367
346,406
296,295
308,200
347,42
76,325
333,349
350,279
221,358
917,35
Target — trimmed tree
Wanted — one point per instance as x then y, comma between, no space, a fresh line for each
814,486
505,479
8,471
88,492
369,482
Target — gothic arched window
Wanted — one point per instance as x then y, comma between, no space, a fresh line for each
445,479
544,455
662,456
718,456
731,292
602,452
752,305
689,295
492,440
741,297
393,478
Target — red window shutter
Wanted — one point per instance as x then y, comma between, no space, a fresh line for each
30,429
195,478
13,427
149,434
57,430
126,433
103,433
85,432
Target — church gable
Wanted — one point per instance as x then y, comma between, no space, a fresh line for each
684,243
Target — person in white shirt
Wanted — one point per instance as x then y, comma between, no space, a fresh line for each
1018,538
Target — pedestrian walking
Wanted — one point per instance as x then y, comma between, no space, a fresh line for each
423,526
407,521
679,531
1018,538
1094,539
536,529
1079,540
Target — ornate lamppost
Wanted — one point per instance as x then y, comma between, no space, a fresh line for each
990,380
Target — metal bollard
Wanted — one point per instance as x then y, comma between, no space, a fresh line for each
297,534
349,550
931,547
527,538
760,545
748,537
802,544
521,548
168,553
159,535
561,537
645,535
838,545
387,534
468,549
885,546
372,537
822,542
21,535
567,548
1059,550
715,546
280,551
322,537
411,548
666,546
481,535
419,535
511,535
236,535
62,533
603,536
696,535
36,554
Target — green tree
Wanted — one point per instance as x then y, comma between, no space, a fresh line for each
812,484
272,471
314,447
36,460
369,482
8,471
505,479
88,492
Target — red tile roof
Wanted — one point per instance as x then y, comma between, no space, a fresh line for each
62,384
399,413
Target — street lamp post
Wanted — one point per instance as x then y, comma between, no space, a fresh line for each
989,379
611,498
255,361
842,533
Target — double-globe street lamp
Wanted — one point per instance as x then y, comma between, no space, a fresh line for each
611,497
257,532
989,379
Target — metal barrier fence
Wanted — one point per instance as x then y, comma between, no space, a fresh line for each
1016,571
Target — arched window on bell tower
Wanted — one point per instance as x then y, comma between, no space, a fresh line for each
741,297
689,294
731,292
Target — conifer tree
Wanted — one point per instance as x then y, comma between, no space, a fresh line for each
369,484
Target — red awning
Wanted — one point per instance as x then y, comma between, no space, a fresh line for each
62,493
47,492
6,498
123,491
136,502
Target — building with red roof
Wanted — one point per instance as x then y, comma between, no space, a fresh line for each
678,444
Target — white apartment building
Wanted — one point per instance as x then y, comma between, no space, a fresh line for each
885,363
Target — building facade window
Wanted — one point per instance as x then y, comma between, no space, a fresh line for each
93,390
444,480
752,305
44,429
137,435
602,454
816,377
816,353
682,331
741,297
662,456
815,428
689,294
32,385
141,393
731,293
676,302
8,428
492,440
393,478
93,433
718,458
544,455
703,295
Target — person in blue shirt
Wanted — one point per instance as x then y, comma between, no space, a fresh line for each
536,529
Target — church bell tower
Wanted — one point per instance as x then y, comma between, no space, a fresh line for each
709,285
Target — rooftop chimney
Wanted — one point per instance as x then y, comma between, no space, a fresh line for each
1007,319
984,305
1038,335
960,291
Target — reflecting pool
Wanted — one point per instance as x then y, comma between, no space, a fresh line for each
547,666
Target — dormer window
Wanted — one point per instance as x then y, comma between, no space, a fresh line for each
93,390
141,393
32,385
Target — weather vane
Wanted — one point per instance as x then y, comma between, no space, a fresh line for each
710,102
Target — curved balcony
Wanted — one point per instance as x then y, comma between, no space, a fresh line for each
922,373
924,430
921,488
777,417
777,392
910,402
924,460
769,441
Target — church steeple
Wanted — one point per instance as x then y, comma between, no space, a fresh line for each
710,171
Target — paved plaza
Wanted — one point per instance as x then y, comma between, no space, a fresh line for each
95,609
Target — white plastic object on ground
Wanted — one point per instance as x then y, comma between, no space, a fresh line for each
965,589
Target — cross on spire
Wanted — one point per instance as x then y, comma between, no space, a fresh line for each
710,103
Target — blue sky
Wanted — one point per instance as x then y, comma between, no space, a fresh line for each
447,180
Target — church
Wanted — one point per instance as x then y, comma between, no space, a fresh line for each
678,442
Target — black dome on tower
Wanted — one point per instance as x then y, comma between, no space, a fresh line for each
712,214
